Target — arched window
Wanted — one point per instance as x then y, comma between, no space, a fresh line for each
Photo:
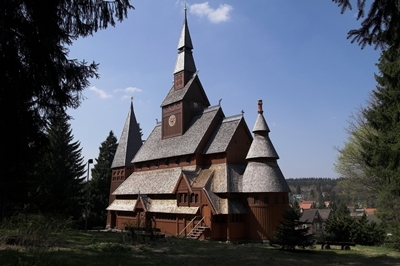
276,200
266,200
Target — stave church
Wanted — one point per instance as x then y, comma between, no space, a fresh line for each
199,174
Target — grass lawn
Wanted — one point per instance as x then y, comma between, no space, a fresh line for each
106,248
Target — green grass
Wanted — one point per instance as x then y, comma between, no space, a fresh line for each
100,248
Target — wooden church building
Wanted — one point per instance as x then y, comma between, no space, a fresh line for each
199,173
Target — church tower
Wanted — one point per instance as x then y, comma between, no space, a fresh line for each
128,145
187,96
263,182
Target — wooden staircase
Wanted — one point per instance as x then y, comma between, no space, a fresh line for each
197,232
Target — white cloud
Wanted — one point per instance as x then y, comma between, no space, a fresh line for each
132,89
129,89
221,14
101,93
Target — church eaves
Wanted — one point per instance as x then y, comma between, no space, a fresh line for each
129,143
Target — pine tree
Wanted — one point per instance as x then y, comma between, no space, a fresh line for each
292,233
99,185
60,189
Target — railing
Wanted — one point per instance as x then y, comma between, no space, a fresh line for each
188,225
196,225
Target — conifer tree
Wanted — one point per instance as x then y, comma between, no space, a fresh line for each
99,185
292,233
37,78
381,151
60,187
381,24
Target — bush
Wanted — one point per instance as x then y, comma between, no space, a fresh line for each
33,230
344,228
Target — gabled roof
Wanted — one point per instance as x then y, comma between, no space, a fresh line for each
308,216
223,134
157,148
122,205
325,214
129,142
150,182
178,95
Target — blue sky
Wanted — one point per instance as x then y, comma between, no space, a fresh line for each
292,54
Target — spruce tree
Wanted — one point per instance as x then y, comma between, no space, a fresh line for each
381,151
37,78
292,233
60,188
99,185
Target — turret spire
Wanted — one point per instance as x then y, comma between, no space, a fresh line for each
185,66
129,142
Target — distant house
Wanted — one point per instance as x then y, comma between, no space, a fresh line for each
325,214
312,220
307,204
297,196
369,211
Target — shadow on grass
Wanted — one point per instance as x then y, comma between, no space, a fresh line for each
176,251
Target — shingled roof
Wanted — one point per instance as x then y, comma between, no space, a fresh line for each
193,87
262,173
129,142
156,147
150,182
223,134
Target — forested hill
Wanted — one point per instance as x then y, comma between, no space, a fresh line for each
313,188
326,184
327,190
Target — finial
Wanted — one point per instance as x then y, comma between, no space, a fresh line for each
185,8
219,103
156,121
242,112
260,110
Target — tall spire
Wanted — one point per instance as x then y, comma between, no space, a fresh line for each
130,141
185,61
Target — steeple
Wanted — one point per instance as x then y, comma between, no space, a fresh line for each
261,146
262,173
129,143
184,66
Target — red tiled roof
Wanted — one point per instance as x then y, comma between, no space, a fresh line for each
369,210
305,206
